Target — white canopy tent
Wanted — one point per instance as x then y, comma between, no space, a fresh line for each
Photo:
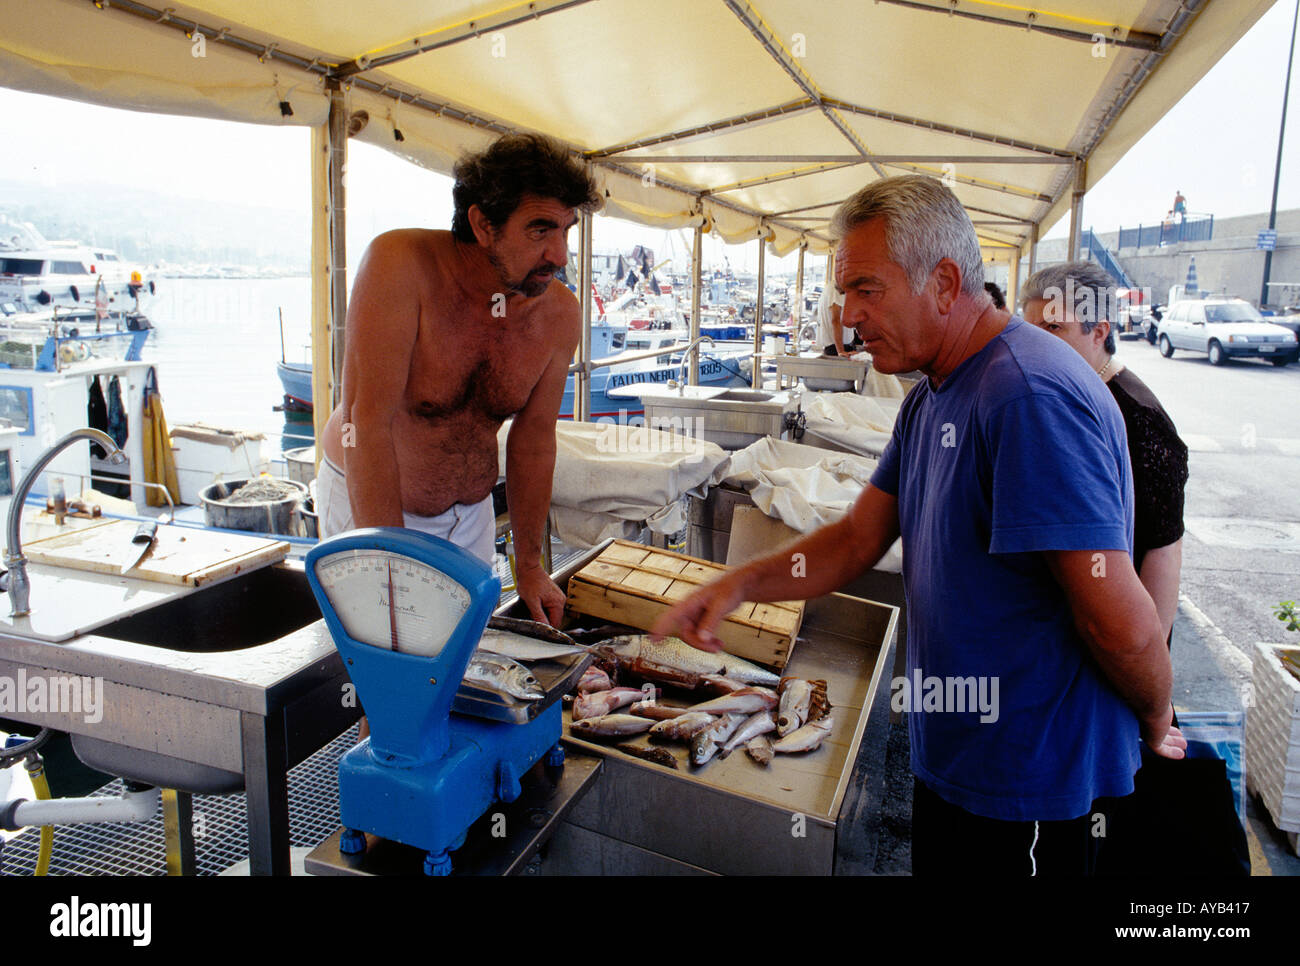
753,120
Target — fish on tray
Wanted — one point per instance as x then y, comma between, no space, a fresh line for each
660,756
796,701
806,738
760,749
674,661
706,744
521,648
656,711
594,679
492,672
745,701
758,723
610,726
684,727
604,702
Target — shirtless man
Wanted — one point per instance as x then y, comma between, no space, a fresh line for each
450,334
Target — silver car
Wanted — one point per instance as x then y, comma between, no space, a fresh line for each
1225,329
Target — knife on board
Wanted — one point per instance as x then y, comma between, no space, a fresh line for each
141,543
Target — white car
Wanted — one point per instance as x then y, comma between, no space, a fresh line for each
1225,329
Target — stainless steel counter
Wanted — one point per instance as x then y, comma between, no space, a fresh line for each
207,690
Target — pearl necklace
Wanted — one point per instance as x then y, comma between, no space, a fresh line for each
1106,368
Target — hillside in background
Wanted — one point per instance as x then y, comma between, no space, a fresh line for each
148,227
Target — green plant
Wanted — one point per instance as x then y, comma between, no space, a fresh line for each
1287,612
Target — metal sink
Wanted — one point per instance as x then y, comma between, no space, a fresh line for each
743,395
247,611
732,418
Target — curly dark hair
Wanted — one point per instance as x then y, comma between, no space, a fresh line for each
513,166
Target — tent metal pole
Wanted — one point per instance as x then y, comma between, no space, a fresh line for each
756,374
582,378
697,283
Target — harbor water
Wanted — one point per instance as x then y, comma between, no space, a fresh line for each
216,343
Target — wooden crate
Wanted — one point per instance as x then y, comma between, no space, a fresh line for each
633,584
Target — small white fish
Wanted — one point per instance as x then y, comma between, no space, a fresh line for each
684,727
594,679
610,726
760,749
759,723
706,744
745,701
604,702
806,738
503,675
796,699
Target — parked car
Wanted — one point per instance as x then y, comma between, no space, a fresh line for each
1225,329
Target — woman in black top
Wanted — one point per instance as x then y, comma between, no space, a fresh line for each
1073,301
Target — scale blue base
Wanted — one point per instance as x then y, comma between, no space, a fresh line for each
425,775
431,806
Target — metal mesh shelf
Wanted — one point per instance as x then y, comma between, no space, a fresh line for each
220,828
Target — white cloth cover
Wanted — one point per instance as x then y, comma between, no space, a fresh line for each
611,479
803,486
857,424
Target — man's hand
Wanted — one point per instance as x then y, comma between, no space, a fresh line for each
1164,739
544,599
694,618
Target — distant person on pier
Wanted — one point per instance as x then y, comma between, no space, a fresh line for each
450,333
1180,206
834,338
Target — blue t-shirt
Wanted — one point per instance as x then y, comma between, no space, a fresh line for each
1020,450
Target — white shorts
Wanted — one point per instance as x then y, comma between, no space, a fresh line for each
470,527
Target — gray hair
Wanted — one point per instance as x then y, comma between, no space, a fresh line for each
924,223
1084,289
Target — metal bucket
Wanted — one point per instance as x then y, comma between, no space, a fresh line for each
301,463
269,516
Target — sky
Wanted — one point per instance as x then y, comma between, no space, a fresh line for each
1218,146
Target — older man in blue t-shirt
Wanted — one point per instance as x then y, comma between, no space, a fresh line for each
1036,661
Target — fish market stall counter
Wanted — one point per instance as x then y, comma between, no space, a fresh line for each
804,813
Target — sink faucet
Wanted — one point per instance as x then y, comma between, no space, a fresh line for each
18,585
686,360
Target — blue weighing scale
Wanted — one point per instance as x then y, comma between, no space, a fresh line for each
406,611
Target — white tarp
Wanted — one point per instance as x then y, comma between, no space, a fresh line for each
611,479
855,424
767,113
804,487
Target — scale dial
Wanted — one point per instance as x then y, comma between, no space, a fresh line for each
388,600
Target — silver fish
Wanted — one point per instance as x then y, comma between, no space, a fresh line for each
522,648
796,699
610,726
684,727
759,723
806,738
603,702
503,675
641,655
706,744
745,701
760,749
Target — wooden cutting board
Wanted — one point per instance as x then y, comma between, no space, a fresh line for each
180,555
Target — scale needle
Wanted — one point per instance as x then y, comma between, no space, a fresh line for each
392,609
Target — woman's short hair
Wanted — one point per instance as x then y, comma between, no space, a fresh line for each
1084,289
513,166
924,224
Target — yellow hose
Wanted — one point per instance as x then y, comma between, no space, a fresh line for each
42,788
